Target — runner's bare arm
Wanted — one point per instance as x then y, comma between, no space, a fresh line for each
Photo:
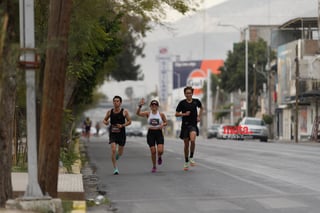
138,112
106,118
164,119
128,118
200,114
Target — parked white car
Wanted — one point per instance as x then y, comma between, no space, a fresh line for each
222,133
228,131
213,131
254,128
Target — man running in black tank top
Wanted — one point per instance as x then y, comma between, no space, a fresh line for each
119,119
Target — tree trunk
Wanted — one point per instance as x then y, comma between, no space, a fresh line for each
70,92
7,107
53,95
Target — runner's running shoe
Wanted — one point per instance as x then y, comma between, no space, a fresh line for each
192,162
159,161
116,171
186,166
154,169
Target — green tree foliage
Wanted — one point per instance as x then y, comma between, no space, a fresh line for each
122,65
8,84
225,111
233,71
215,82
268,119
106,38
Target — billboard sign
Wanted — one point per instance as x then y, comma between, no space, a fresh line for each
164,59
194,73
286,71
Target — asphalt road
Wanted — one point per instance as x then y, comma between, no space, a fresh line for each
229,177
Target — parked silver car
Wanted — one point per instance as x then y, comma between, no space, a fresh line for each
213,131
254,128
229,131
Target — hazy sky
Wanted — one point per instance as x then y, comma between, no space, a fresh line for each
151,81
173,15
199,36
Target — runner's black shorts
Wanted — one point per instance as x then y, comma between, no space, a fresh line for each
185,131
155,136
118,138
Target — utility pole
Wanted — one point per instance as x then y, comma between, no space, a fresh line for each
246,31
269,82
209,100
254,90
318,52
28,62
318,24
297,96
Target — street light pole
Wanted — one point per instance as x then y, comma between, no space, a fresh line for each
246,66
209,101
178,79
244,31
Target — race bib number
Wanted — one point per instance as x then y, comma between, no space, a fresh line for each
154,122
115,129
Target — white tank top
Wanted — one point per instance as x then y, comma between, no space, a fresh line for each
154,120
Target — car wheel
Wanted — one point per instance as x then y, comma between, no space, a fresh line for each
264,139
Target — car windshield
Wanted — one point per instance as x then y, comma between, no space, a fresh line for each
255,122
215,126
225,125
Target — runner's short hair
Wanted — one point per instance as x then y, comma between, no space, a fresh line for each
117,96
188,88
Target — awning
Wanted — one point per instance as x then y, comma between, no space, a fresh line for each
304,98
310,94
300,22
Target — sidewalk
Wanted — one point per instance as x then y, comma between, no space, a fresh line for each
14,211
302,142
70,187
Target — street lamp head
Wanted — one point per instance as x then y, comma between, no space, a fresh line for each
229,25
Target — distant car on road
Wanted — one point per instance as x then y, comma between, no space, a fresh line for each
213,131
222,133
256,128
134,131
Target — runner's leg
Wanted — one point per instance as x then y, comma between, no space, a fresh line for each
186,149
113,154
153,155
120,150
160,152
193,135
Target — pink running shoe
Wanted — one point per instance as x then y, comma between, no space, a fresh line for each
154,169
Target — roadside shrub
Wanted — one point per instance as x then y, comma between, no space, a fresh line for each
267,119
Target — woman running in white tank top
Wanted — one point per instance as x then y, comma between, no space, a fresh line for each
155,139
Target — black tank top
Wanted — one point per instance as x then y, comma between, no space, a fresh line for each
117,118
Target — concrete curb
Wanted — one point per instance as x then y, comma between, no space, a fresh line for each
78,206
